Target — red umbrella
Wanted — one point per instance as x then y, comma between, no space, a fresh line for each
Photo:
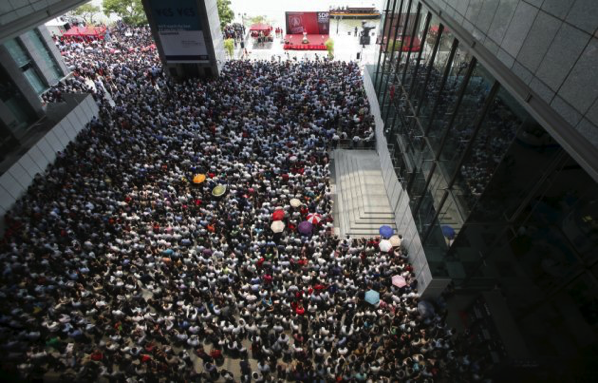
278,215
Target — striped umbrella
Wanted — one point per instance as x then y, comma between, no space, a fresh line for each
314,218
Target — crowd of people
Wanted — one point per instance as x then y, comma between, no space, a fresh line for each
234,31
146,252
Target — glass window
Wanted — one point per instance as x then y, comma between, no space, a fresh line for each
391,47
427,53
45,54
13,99
26,64
436,88
415,50
580,224
467,115
17,52
34,79
444,109
498,130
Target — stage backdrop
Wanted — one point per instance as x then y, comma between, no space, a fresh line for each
180,31
314,23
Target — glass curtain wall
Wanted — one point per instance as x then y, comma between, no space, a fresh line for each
498,203
45,54
26,64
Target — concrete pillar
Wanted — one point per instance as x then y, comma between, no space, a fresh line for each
188,36
54,51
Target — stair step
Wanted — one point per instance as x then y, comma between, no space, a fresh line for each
362,202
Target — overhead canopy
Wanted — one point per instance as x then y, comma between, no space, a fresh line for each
88,31
261,27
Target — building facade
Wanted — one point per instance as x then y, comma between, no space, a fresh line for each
30,64
188,36
500,174
31,133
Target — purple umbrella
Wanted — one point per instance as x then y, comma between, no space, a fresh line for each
305,227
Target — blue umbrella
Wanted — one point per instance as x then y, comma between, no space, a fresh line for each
386,231
372,297
448,232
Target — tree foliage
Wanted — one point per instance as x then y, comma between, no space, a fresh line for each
130,11
86,12
261,19
225,13
330,47
229,45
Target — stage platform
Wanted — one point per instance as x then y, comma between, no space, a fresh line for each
316,42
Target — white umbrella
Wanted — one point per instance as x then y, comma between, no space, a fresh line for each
385,245
295,202
277,226
395,240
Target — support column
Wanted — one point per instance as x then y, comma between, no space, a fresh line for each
54,51
188,36
45,69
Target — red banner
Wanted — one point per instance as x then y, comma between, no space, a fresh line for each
312,23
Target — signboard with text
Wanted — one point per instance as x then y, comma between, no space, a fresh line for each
180,31
312,23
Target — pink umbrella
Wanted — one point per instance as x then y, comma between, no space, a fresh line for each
399,281
314,218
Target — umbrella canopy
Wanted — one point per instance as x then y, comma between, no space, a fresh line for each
395,240
277,226
93,31
386,231
385,245
448,232
305,227
314,218
86,31
425,309
372,297
260,27
295,202
74,31
399,281
277,215
199,178
218,190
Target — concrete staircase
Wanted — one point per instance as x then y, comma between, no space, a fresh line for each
361,204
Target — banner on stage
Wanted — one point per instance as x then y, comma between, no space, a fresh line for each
312,23
180,31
